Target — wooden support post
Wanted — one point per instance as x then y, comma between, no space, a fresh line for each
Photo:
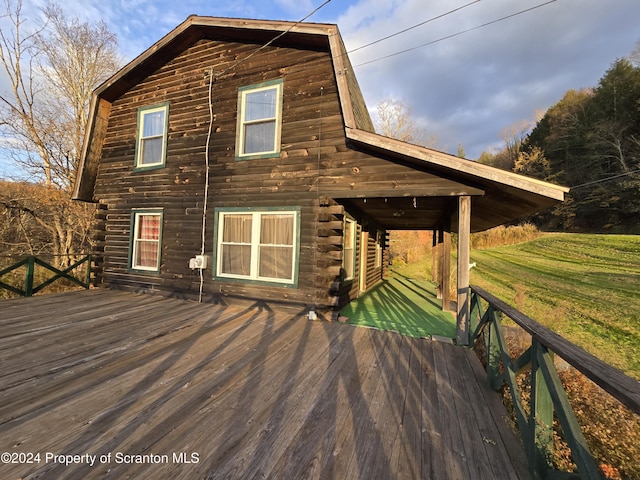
464,245
434,257
446,271
439,264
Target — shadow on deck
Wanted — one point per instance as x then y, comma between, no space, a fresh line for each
164,388
404,305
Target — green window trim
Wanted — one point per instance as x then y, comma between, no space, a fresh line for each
260,112
145,240
242,251
151,132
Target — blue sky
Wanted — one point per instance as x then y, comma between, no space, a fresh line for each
465,89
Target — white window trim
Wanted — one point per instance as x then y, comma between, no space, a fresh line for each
255,245
354,231
242,93
379,241
139,138
137,214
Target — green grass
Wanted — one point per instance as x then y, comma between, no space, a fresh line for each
585,287
403,304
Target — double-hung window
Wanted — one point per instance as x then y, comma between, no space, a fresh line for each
146,237
259,120
151,142
349,249
259,246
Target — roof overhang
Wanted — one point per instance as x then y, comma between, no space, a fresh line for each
498,196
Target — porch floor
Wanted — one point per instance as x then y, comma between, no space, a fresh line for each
404,305
236,391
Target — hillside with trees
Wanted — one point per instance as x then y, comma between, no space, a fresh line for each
589,141
52,65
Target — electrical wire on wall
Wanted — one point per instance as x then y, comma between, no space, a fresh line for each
211,77
206,180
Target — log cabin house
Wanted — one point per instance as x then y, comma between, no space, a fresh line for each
237,157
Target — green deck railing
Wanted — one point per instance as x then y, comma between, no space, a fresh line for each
547,395
30,262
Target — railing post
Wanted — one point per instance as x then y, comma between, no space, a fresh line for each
541,414
28,281
493,349
88,276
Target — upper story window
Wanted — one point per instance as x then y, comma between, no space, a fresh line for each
151,142
259,120
146,237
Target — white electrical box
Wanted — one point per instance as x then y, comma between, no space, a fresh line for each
199,261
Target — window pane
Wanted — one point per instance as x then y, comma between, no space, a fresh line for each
261,104
236,259
151,151
153,124
149,227
237,229
349,234
276,262
146,254
276,229
260,137
348,264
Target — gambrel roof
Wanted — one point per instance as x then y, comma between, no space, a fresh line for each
498,196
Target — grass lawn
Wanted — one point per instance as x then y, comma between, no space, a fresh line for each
402,304
585,287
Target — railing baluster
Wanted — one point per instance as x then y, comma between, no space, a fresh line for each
28,281
31,261
541,415
570,426
547,393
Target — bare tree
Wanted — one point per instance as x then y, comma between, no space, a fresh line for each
634,57
395,119
52,70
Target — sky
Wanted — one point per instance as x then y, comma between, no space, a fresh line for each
470,69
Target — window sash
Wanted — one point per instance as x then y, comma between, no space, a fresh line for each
152,136
259,119
379,240
147,228
257,246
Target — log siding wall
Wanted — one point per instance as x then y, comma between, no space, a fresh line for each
313,141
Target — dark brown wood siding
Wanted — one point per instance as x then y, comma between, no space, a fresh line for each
314,160
311,127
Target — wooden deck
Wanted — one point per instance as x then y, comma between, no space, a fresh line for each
244,391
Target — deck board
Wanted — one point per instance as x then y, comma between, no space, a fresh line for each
255,390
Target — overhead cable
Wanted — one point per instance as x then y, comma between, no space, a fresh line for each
412,27
282,34
458,33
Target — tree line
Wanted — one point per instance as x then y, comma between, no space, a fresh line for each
589,141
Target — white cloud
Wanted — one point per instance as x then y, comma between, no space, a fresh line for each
473,85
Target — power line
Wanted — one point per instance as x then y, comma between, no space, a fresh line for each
412,27
282,34
457,34
605,179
